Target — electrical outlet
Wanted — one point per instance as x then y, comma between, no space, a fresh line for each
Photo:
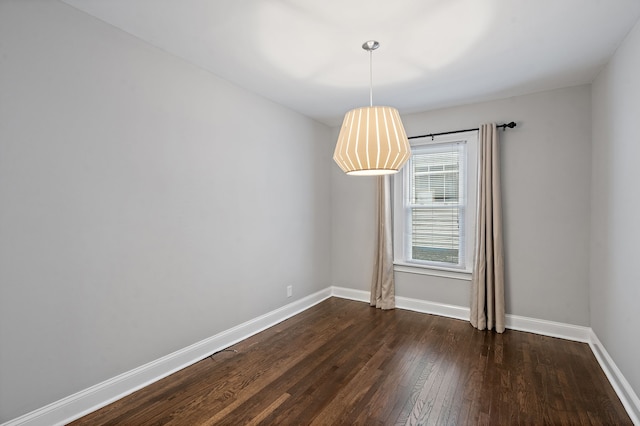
289,290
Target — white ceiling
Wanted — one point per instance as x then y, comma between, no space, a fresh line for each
307,55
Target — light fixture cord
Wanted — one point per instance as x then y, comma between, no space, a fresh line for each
370,78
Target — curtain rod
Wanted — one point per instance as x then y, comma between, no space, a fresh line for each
510,125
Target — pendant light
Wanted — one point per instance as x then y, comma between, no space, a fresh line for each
372,140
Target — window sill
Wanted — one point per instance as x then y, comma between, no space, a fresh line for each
412,268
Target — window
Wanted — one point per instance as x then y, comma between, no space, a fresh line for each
434,204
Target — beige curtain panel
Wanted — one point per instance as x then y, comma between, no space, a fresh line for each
487,283
382,285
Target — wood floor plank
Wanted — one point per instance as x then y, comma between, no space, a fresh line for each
342,362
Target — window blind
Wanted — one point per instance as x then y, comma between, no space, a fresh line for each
436,203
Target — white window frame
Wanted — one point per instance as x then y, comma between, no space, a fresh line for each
401,247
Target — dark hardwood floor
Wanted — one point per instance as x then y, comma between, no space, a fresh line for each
342,362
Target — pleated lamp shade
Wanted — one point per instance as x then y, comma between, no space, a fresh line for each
372,141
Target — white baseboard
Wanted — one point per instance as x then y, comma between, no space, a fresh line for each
561,330
102,394
434,308
623,389
351,294
407,303
572,332
513,322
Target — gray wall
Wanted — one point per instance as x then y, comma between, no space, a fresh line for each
145,204
129,182
615,207
546,165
